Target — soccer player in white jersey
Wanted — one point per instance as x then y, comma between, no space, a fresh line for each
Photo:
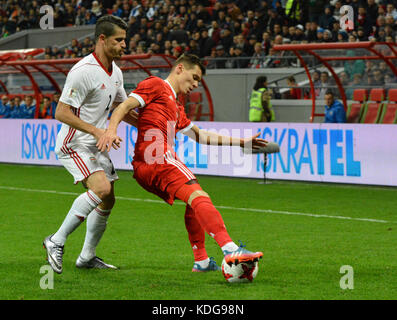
93,87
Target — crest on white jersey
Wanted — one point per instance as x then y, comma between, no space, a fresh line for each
72,93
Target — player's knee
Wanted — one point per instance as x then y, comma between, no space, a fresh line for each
196,194
103,190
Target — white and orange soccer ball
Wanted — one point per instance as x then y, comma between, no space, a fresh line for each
242,272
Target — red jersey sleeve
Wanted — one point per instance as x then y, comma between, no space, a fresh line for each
148,90
184,122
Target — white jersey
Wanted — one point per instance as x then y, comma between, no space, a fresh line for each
91,90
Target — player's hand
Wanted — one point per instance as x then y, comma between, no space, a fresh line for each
108,140
254,142
98,133
258,145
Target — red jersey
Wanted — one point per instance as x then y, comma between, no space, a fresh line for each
161,116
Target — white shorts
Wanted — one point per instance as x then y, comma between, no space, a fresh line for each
82,161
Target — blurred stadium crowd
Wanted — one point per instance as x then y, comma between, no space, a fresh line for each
21,106
228,34
211,28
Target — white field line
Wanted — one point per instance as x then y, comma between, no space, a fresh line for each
219,207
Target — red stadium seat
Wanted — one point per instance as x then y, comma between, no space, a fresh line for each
389,113
373,109
356,108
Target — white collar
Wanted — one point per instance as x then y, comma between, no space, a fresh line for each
173,91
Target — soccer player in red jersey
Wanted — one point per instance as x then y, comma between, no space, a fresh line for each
157,167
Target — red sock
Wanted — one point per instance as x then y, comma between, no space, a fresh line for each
210,220
196,235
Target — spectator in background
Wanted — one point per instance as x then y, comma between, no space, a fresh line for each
316,78
294,92
258,57
205,44
249,48
241,60
372,8
266,43
364,20
221,57
334,109
326,19
299,34
356,84
391,11
96,9
14,111
226,38
54,104
320,35
327,36
272,60
390,81
45,111
325,84
378,78
361,36
4,108
55,53
312,32
28,108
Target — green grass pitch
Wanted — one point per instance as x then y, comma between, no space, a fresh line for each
307,232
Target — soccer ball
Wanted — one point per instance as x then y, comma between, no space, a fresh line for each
242,272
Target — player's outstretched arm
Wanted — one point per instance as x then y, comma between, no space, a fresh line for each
64,114
110,138
131,117
212,138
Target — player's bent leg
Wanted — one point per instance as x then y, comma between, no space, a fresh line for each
96,226
212,222
100,185
195,232
197,241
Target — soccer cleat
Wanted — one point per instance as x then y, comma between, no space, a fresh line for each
94,263
241,255
54,254
212,266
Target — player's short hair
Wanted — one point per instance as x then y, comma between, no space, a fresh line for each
106,26
329,91
189,61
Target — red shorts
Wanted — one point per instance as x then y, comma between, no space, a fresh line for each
163,179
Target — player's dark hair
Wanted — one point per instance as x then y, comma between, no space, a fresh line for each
106,26
190,60
329,91
259,82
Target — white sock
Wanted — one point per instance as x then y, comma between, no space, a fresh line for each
203,263
96,226
80,209
230,246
